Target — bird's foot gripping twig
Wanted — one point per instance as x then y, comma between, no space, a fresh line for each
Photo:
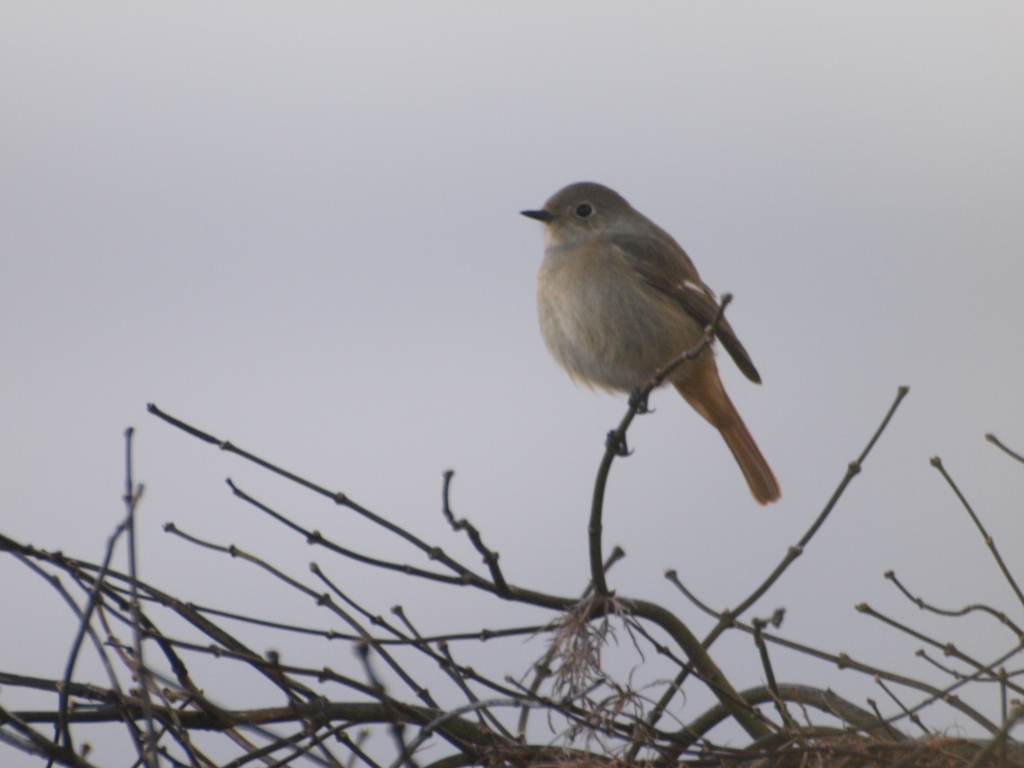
638,400
616,443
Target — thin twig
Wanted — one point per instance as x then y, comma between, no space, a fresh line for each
51,749
131,498
920,603
368,639
794,552
315,740
356,747
912,715
481,635
672,576
702,663
484,715
397,728
844,661
921,653
825,700
23,554
440,720
269,749
995,441
896,735
766,663
947,648
315,537
937,463
615,443
490,558
435,553
63,733
1000,737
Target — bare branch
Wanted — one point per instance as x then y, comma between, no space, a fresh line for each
777,699
55,752
615,444
995,441
912,715
490,558
337,496
920,603
826,701
728,618
937,463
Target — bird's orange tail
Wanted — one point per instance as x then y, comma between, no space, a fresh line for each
703,390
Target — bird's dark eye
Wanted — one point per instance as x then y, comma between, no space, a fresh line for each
583,210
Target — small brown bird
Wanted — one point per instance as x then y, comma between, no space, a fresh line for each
618,298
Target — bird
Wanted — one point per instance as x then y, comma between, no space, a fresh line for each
618,298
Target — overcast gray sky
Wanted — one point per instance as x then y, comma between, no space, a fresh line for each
296,225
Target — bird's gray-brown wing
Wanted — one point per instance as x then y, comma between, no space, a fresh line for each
664,265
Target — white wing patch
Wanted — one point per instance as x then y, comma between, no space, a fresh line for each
698,288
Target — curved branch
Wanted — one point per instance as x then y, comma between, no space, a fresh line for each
826,701
615,443
920,603
705,668
490,557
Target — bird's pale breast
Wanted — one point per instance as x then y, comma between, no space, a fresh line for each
603,323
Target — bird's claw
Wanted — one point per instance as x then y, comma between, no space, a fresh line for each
638,401
616,444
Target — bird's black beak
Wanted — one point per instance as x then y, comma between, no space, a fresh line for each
540,215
